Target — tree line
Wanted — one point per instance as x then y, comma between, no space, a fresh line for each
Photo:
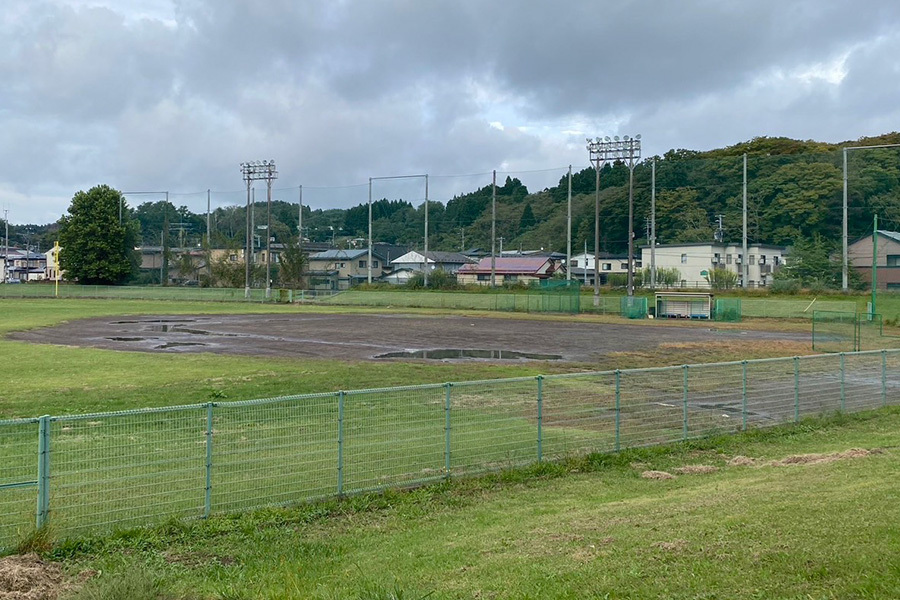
794,199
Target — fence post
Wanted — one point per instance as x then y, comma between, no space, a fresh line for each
618,408
43,499
540,417
207,502
884,378
685,410
340,470
796,389
743,395
447,432
843,395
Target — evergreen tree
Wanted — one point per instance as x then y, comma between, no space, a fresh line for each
96,248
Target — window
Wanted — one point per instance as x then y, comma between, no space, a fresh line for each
362,264
727,259
776,259
573,263
340,265
762,259
607,266
511,278
752,260
232,257
717,258
623,266
484,277
893,260
684,259
374,264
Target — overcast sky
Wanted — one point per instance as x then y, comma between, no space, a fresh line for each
174,94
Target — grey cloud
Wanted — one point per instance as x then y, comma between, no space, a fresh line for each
174,96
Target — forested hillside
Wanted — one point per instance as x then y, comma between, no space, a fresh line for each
794,190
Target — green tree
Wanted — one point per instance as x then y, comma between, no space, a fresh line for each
292,265
721,279
96,247
527,221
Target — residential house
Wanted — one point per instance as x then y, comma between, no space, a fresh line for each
887,262
416,261
518,269
694,261
581,266
51,262
23,265
342,269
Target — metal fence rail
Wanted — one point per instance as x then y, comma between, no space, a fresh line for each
89,474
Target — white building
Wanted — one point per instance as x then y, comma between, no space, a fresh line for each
581,266
695,261
415,261
51,263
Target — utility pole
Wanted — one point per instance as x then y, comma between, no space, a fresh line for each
369,255
494,230
653,224
745,265
6,246
569,228
425,278
584,274
500,239
874,263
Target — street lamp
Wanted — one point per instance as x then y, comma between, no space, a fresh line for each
256,171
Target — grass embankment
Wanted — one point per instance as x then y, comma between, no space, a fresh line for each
588,528
47,379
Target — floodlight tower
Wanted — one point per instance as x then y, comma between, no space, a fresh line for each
600,151
256,171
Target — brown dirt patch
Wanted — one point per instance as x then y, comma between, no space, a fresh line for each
673,546
741,461
657,475
816,459
363,336
696,469
27,577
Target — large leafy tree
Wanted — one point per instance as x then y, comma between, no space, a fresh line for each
96,247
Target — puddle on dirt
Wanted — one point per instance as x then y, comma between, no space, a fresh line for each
126,339
178,344
155,321
458,353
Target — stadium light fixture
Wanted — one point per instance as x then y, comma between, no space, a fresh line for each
259,171
627,150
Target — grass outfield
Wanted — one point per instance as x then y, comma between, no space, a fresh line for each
47,379
591,528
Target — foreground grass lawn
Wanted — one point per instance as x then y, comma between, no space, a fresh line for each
590,528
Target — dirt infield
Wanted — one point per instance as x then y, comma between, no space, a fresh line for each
369,336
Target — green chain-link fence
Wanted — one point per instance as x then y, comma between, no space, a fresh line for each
728,310
89,474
